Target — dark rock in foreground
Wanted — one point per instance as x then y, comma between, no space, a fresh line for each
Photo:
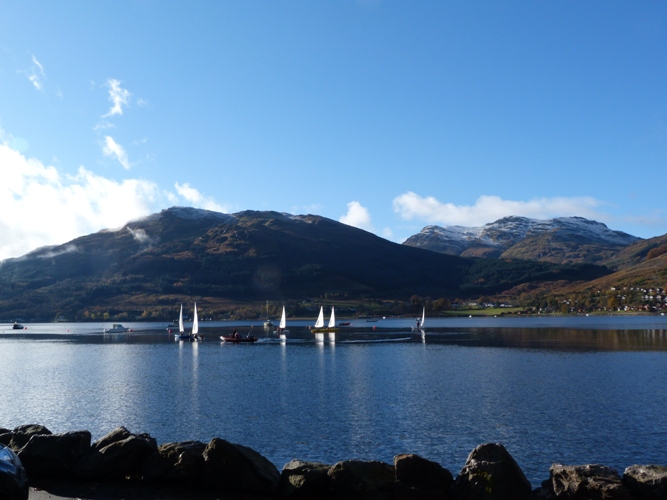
362,479
583,482
126,465
303,480
54,455
491,473
646,482
232,467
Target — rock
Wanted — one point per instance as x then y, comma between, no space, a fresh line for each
119,459
54,455
490,473
303,480
176,463
646,482
6,437
362,479
585,482
232,467
22,434
118,434
420,473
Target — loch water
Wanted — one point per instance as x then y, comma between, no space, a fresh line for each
573,390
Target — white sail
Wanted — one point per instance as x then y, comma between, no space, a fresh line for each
320,319
195,322
180,321
283,321
423,317
332,319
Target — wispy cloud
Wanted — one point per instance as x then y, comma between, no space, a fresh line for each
197,199
357,216
36,74
411,206
118,96
39,206
141,236
112,148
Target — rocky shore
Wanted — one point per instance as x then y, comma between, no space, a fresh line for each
126,465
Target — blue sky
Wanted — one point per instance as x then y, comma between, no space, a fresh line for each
387,115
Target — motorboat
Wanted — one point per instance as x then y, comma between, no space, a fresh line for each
18,326
117,328
239,339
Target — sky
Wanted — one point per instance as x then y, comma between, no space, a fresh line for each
383,114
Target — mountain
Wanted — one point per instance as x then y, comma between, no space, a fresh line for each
185,254
562,240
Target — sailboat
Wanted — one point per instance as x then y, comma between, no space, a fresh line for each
195,327
420,325
319,324
267,322
181,335
282,327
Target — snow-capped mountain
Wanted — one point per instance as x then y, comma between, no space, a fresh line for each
563,239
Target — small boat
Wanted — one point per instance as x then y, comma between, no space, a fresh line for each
267,322
344,323
319,324
282,327
181,335
420,324
18,326
117,328
238,340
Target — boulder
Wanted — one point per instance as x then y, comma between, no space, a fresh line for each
417,472
490,473
232,467
176,463
22,434
119,459
646,482
54,455
362,479
118,434
582,482
6,437
303,480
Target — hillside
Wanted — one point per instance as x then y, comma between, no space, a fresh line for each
185,254
564,240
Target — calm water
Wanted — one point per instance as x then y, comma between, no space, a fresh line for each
570,390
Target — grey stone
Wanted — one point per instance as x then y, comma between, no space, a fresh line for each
646,482
54,455
176,463
362,479
232,467
582,482
490,473
300,479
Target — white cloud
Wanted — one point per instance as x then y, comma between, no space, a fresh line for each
491,208
112,148
357,216
39,206
118,96
38,64
197,199
35,74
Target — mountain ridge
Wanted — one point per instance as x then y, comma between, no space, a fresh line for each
532,239
181,253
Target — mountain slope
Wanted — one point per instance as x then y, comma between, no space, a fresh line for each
561,240
181,254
